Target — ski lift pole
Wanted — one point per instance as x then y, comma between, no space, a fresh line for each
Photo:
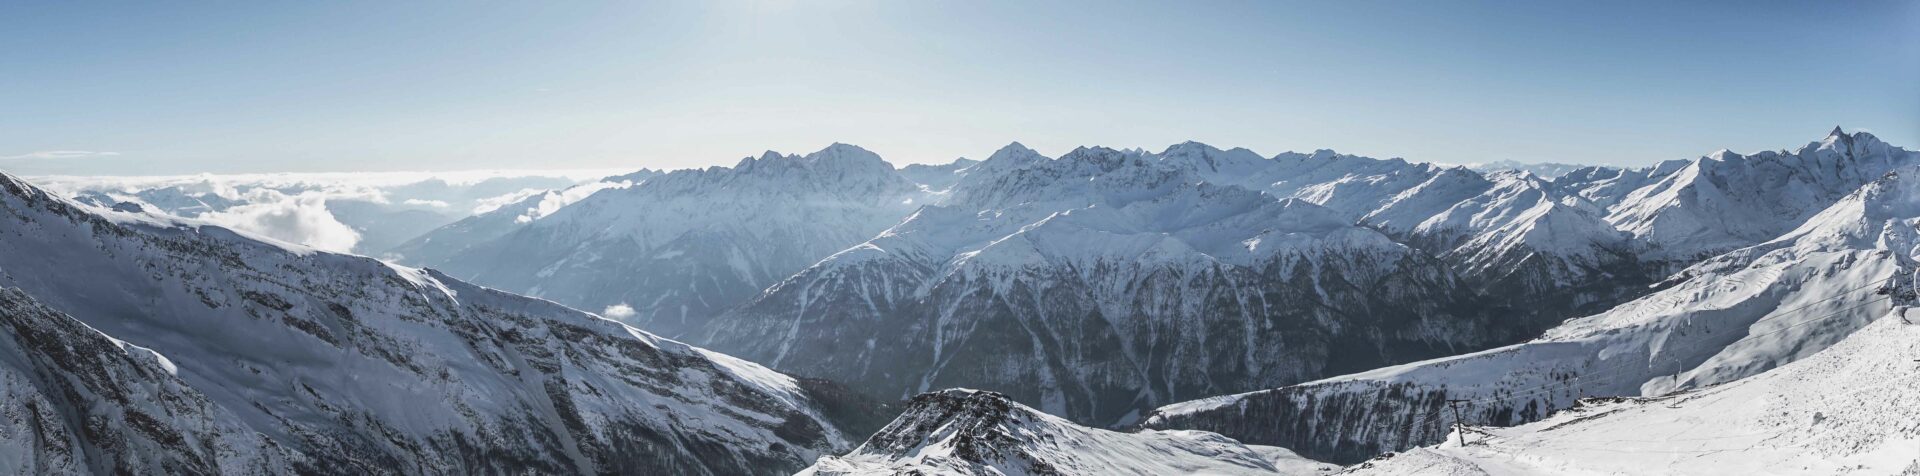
1459,426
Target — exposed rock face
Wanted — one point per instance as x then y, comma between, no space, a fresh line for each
1727,318
964,432
74,401
1103,283
291,357
678,248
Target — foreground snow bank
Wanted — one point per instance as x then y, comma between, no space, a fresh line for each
1851,409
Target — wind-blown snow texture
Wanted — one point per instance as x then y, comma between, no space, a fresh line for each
1730,317
1850,409
968,432
244,354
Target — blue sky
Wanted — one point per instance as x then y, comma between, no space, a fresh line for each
186,87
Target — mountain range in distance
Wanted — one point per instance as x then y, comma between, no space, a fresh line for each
1230,312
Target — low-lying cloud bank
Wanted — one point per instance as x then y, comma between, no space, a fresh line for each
347,212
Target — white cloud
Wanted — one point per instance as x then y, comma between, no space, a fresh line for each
554,201
60,154
300,219
427,203
549,203
294,206
618,311
494,203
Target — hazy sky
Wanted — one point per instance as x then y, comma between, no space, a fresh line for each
183,87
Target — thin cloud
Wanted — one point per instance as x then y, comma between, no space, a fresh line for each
618,311
427,203
60,154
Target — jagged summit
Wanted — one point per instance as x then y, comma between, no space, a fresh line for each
962,431
679,248
838,156
1014,147
1728,200
1727,318
1317,154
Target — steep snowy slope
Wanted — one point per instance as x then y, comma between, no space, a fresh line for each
1729,317
74,401
1607,186
1538,247
1853,408
1351,185
1726,200
938,177
969,432
1501,231
684,246
443,243
485,226
1104,283
358,366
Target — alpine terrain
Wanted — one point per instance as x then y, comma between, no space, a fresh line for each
675,249
1720,320
142,343
1100,284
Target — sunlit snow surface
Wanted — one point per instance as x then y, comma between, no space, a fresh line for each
968,432
1851,409
1727,318
323,360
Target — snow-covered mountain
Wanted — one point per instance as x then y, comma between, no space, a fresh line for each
938,177
233,353
1726,200
1106,282
1730,317
969,432
1500,231
487,224
74,401
669,253
1850,409
1545,170
1093,287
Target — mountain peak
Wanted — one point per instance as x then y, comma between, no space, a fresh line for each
1013,155
1012,149
1837,132
970,431
849,155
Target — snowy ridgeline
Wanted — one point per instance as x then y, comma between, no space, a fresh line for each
1095,286
967,432
1103,283
1794,356
142,343
1850,409
1731,317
